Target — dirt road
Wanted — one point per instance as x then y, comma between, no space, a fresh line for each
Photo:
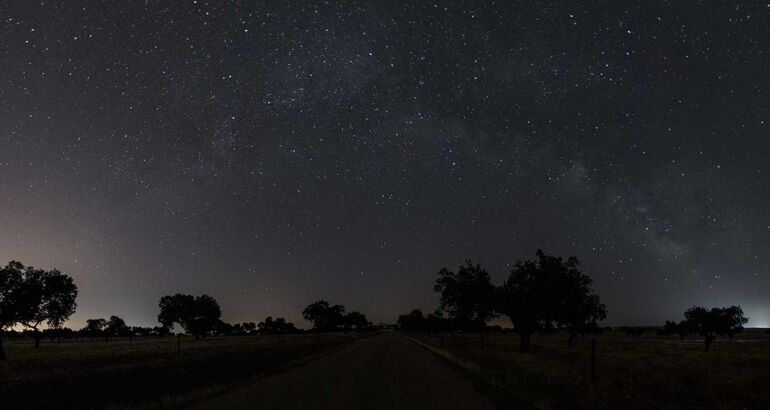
381,372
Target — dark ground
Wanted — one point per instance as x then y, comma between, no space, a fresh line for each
147,373
383,372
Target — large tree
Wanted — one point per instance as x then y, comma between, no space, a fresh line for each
546,292
31,297
198,315
323,316
466,296
714,322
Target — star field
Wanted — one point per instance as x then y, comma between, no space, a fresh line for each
274,153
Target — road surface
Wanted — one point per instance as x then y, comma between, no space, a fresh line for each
380,372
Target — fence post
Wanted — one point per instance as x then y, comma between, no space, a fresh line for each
593,360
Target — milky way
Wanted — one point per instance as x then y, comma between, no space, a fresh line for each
274,153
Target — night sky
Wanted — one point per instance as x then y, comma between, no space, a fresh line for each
274,153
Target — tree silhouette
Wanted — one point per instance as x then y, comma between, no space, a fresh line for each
549,291
10,284
275,326
715,322
223,328
197,315
466,296
95,327
161,331
57,333
116,327
578,309
436,323
323,316
412,321
356,320
669,328
31,297
245,328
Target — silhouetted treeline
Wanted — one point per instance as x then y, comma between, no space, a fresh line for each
326,317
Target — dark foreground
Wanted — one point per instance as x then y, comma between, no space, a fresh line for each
381,372
147,373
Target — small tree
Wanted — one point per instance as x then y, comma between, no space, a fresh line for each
670,328
323,316
356,320
466,296
116,327
412,321
95,327
249,327
31,297
715,322
197,315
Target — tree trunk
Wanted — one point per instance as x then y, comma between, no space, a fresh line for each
37,340
708,341
571,339
2,349
524,342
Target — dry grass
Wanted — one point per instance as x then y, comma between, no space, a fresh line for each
95,374
649,372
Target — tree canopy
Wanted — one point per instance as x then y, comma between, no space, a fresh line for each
356,320
718,321
278,325
546,292
412,321
323,316
31,297
198,315
466,295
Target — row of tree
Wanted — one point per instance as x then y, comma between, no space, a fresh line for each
200,316
34,298
116,327
541,295
326,317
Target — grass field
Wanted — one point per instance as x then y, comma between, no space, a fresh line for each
642,373
145,372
